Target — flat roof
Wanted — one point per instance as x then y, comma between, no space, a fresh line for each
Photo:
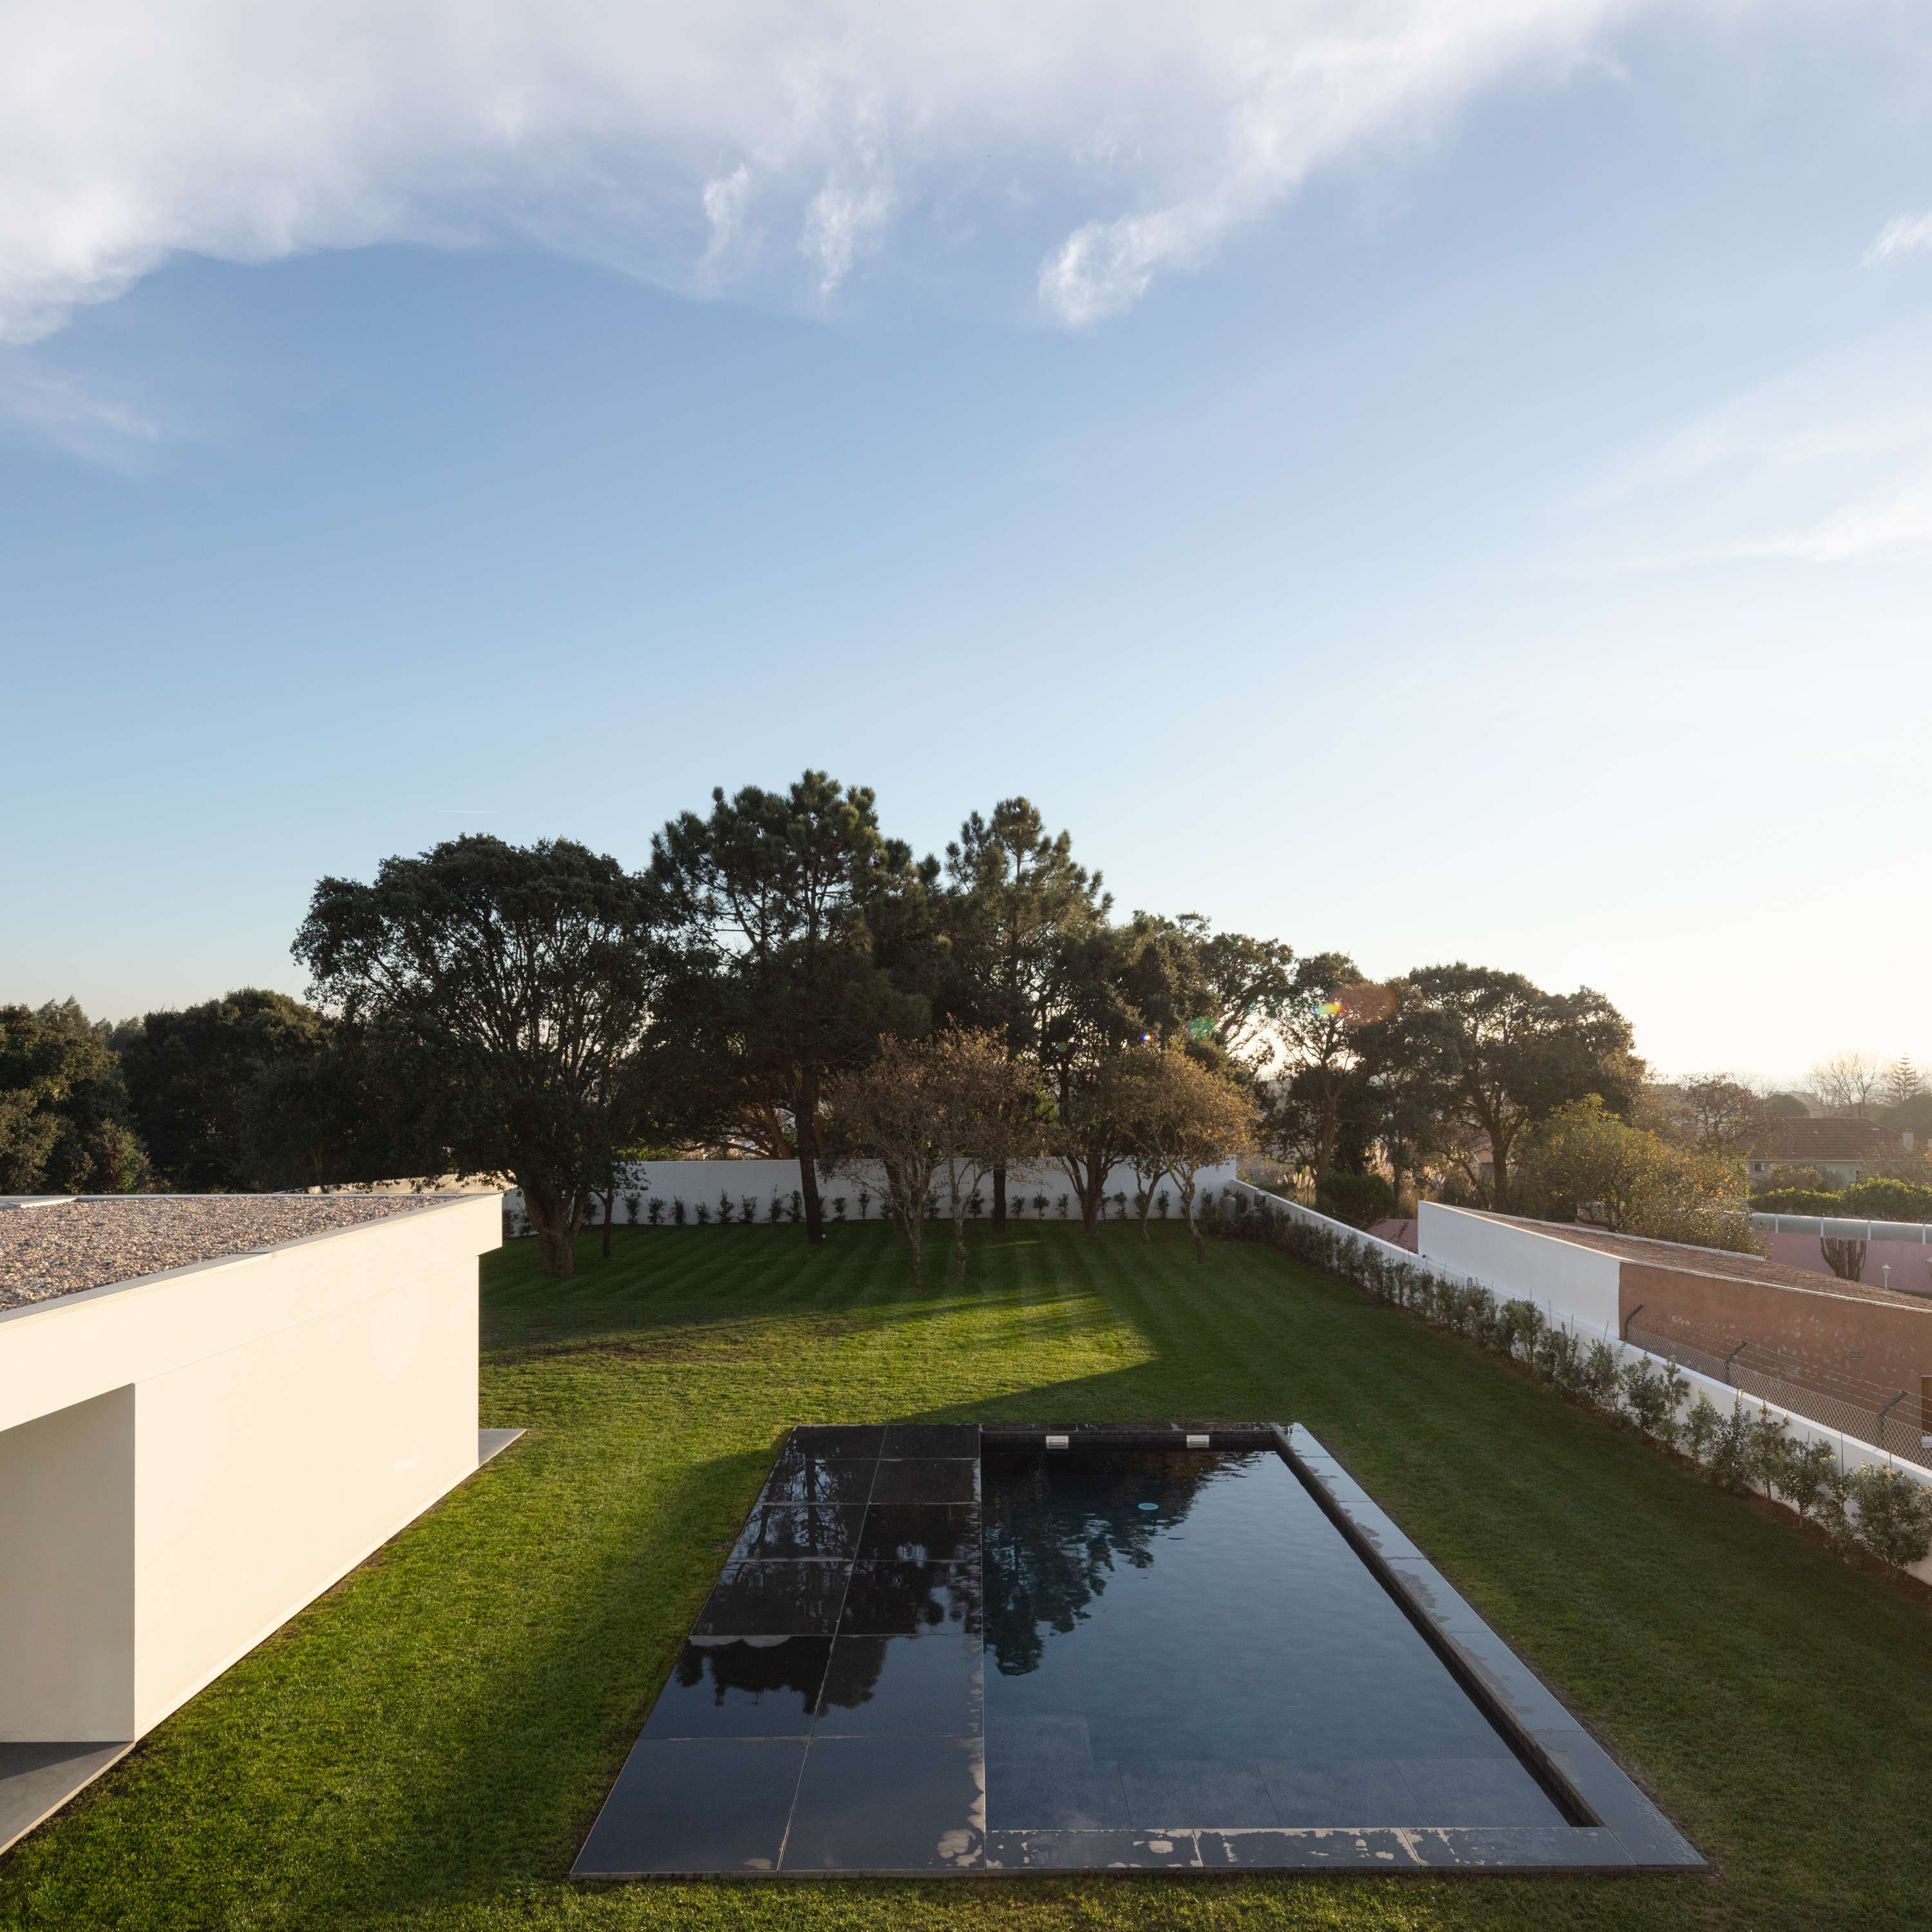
56,1247
1719,1261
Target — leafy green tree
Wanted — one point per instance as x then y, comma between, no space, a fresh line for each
1179,1116
1250,984
1501,1053
189,1073
1318,1024
1635,1180
353,1110
522,979
65,1124
776,898
1015,901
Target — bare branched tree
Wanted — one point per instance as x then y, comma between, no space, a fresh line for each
1847,1083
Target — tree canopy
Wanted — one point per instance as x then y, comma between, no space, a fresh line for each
65,1124
521,981
774,901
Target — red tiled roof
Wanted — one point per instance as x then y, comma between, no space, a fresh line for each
1800,1141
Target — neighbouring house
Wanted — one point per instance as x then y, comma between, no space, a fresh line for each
1856,1356
1842,1150
211,1408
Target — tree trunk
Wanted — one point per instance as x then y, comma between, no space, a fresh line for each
610,1220
554,1224
913,1227
1499,1154
1187,1205
999,1200
805,1125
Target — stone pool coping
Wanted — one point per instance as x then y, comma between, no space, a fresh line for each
1615,1829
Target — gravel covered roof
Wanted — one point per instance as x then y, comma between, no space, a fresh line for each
60,1248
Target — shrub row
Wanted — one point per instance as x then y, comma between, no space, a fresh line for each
653,1211
1886,1515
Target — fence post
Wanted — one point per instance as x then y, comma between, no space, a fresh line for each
1882,1414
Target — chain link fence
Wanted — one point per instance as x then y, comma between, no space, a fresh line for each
1893,1420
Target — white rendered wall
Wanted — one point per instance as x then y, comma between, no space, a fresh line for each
285,1414
1561,1277
702,1181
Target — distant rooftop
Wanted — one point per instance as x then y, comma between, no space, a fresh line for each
1797,1142
54,1248
1719,1261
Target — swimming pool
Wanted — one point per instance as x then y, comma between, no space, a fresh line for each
935,1648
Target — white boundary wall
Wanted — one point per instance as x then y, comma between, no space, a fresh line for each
693,1182
1523,1284
1580,1283
187,1458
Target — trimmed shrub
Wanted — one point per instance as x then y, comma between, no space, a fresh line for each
1360,1199
677,1210
1892,1516
654,1212
1794,1201
1884,1199
727,1207
838,1207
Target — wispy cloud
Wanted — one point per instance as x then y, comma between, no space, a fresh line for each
1830,464
1902,234
68,412
677,140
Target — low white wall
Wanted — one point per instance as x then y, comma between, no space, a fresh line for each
270,1418
693,1182
1567,1279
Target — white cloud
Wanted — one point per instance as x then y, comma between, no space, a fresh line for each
1902,234
1831,464
669,139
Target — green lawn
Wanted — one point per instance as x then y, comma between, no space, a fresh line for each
425,1746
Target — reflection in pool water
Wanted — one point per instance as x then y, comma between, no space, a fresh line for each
1181,1638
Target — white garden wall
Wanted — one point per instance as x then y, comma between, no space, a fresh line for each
696,1182
1561,1277
187,1459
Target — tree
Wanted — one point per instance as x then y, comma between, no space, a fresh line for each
1717,1115
65,1125
1633,1180
1502,1053
523,978
1328,1003
1016,900
189,1073
1847,1083
1903,1082
1250,984
769,898
1179,1116
888,1111
991,1113
351,1110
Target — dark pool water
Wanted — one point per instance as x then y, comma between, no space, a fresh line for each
1182,1638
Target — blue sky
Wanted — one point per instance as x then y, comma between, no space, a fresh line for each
1431,481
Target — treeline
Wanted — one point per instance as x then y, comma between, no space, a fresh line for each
543,1012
